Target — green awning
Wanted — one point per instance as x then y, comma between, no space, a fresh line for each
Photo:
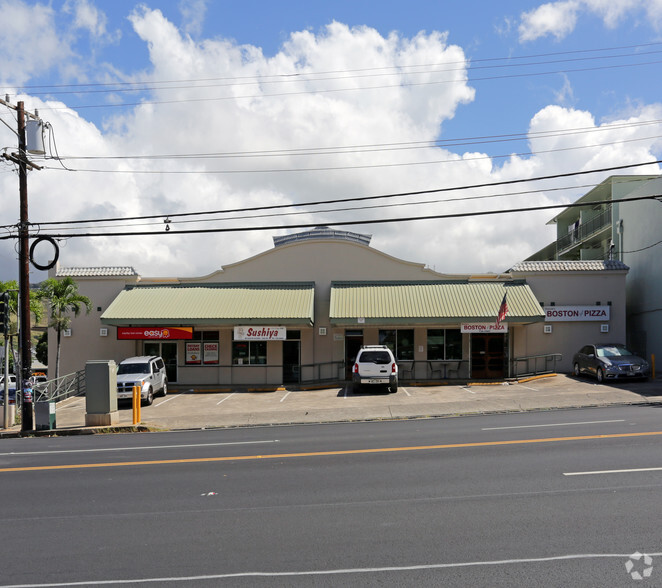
213,304
431,302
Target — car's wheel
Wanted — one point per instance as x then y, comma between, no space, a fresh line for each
394,387
150,397
576,371
600,375
164,390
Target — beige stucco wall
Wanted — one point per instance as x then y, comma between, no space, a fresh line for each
322,262
573,289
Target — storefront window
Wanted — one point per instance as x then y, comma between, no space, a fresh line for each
203,348
400,342
249,352
444,344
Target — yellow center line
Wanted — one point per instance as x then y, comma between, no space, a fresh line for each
327,453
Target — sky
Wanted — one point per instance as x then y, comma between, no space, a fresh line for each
182,136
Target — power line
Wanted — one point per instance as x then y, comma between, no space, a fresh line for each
337,223
294,76
373,147
351,167
190,100
363,198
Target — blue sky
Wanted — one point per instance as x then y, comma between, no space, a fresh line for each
558,87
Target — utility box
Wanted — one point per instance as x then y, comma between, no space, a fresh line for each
101,393
44,416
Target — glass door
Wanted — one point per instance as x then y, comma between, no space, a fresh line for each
168,351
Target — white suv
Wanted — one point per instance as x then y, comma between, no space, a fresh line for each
147,372
375,366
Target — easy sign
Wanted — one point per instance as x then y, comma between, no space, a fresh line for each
158,333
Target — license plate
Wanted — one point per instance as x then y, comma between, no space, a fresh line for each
377,381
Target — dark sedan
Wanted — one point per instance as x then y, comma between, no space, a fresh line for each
609,361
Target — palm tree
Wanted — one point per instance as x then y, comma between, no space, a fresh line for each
63,298
36,307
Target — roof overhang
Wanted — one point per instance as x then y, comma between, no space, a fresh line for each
393,303
289,303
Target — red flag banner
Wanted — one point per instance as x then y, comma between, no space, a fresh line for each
503,310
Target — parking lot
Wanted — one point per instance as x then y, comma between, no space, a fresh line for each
186,408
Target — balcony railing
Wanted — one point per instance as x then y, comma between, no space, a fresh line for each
584,231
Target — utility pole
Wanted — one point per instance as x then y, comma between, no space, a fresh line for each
24,275
25,338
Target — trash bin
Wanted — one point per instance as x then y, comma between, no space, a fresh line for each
44,415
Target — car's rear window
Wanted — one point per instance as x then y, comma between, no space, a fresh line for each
379,357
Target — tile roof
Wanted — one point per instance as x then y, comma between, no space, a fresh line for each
569,266
76,272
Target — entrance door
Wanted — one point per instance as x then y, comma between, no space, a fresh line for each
353,342
291,362
168,351
487,356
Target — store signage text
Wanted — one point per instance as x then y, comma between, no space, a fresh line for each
483,328
260,333
577,313
158,333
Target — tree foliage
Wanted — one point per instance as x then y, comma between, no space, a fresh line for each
63,298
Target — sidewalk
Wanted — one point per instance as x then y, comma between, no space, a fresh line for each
201,409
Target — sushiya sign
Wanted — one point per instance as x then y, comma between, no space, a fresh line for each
576,313
260,333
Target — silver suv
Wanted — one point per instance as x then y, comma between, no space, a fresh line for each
147,372
375,366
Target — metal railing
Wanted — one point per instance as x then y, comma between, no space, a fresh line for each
584,230
533,365
61,388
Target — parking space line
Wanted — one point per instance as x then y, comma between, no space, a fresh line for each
405,391
526,387
168,399
465,388
224,399
286,395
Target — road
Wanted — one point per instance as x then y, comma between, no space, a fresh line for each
557,498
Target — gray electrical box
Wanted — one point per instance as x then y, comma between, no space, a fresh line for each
101,393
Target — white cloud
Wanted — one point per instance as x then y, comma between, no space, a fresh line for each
193,14
556,18
250,102
29,43
87,16
559,18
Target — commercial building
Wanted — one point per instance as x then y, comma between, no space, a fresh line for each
298,313
620,219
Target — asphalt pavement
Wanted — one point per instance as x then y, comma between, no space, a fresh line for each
189,408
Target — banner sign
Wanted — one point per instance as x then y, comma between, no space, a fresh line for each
159,333
210,352
260,333
193,353
483,328
577,313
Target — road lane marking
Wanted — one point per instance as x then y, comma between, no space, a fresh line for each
104,449
224,399
327,453
342,571
552,425
630,471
